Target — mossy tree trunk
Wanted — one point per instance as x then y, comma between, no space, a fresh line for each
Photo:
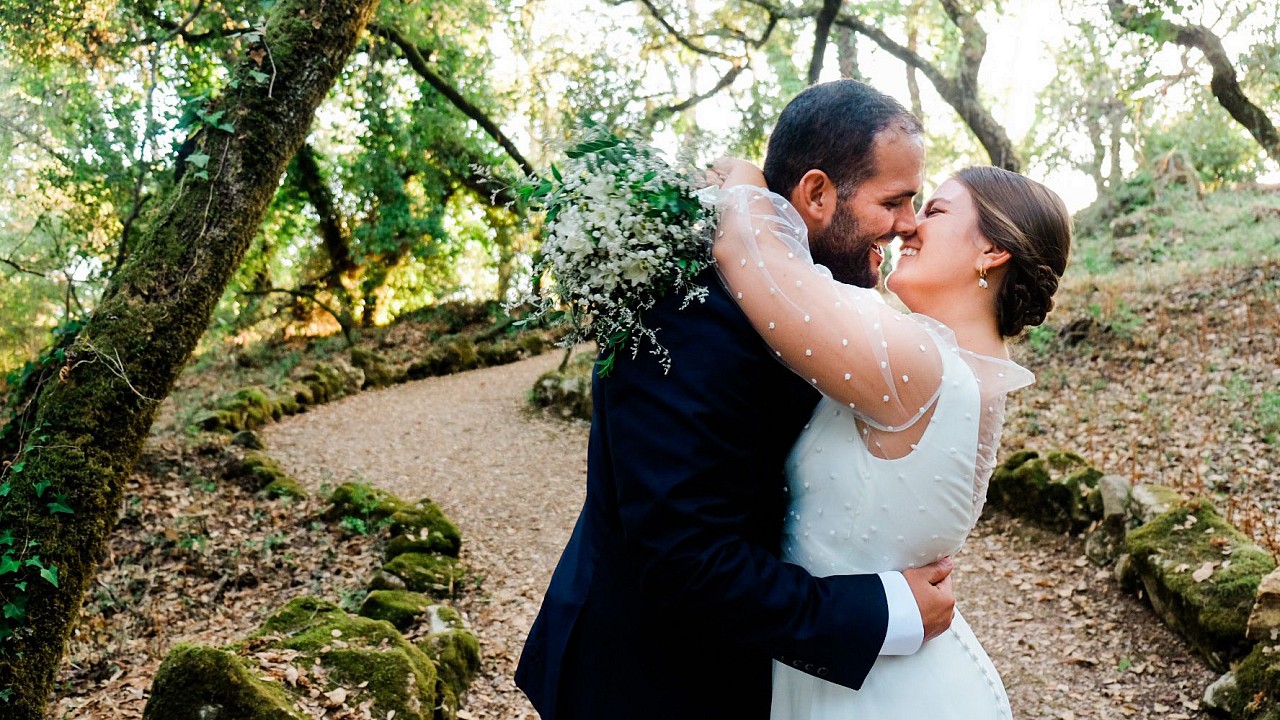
92,419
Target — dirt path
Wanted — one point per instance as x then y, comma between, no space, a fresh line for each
1068,644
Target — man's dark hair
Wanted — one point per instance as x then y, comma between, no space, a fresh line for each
831,127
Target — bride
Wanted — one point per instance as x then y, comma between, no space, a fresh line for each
891,472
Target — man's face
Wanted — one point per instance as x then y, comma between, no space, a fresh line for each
879,209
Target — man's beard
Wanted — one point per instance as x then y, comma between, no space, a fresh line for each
843,249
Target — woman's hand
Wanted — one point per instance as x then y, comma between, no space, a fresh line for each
727,172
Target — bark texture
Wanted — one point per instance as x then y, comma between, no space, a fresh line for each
93,417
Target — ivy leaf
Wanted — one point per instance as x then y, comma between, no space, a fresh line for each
41,487
213,118
203,174
18,466
8,564
51,574
5,487
198,159
259,77
59,505
15,610
22,586
6,538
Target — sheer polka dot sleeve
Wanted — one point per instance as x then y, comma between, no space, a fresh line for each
843,339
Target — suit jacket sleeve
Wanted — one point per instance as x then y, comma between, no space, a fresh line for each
686,462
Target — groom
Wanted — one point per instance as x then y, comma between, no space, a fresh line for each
670,599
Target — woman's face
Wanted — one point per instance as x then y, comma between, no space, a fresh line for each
944,253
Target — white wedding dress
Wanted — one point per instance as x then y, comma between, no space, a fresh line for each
891,471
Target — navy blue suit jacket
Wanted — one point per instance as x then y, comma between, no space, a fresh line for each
670,598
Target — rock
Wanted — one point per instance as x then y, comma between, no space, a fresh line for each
248,439
1170,554
255,471
456,652
1264,619
1147,501
1219,693
567,393
532,344
348,662
1115,495
1104,540
378,370
436,575
501,352
398,607
331,380
1126,573
423,528
204,683
1053,491
284,487
447,357
362,501
1252,690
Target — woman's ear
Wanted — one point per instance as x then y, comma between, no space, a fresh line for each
994,256
814,197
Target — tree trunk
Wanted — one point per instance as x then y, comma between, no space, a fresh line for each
826,16
847,44
63,491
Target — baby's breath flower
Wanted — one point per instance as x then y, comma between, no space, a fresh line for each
623,229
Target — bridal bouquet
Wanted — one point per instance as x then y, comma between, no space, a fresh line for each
624,228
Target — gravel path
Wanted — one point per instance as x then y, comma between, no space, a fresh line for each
1067,642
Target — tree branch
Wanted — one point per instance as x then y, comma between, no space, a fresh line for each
342,324
419,64
680,37
826,16
1224,84
725,81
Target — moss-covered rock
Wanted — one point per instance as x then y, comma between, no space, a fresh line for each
329,381
1150,501
284,487
204,683
363,501
378,370
498,353
1201,575
456,652
1252,690
566,393
445,358
533,344
435,575
1053,491
423,528
354,650
255,471
401,608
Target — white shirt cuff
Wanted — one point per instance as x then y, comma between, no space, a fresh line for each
905,633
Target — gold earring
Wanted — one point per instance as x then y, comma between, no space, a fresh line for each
982,277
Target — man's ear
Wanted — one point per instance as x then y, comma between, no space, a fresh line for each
814,197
